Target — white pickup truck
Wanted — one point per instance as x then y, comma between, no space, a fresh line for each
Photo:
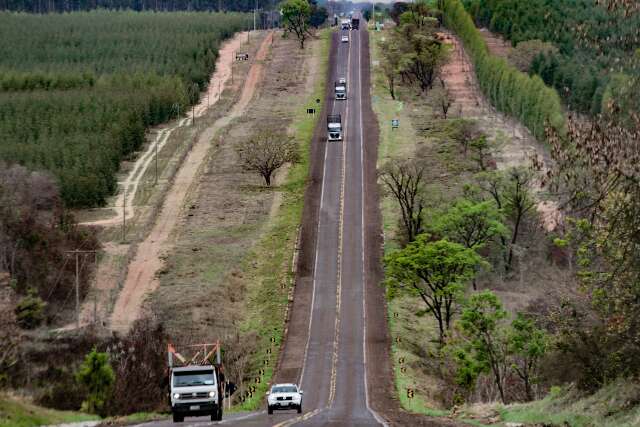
284,396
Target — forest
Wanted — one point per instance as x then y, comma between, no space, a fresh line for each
593,42
78,90
47,6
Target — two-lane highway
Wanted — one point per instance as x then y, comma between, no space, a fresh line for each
333,371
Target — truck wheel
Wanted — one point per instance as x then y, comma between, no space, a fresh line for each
177,418
300,408
269,410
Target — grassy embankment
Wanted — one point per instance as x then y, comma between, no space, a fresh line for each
17,413
412,333
268,265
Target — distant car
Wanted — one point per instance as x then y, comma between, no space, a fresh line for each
284,396
345,38
342,80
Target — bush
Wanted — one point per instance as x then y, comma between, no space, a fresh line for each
97,376
30,311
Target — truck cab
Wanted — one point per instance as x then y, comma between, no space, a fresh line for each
334,127
196,391
341,89
196,384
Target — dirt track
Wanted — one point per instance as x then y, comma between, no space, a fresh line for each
518,147
217,84
141,276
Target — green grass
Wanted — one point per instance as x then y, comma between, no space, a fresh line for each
17,413
413,331
615,405
400,142
268,265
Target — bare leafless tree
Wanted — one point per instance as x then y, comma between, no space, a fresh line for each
267,152
404,179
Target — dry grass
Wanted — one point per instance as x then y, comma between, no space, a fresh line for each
234,244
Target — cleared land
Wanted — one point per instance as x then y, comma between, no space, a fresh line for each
228,275
142,271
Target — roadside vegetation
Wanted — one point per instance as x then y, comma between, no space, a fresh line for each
16,412
78,91
592,43
486,302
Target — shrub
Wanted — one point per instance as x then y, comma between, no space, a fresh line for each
97,376
30,311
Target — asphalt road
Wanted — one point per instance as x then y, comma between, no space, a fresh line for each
333,374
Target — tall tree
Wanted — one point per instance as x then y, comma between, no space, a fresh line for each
404,179
480,323
436,272
267,152
527,345
295,17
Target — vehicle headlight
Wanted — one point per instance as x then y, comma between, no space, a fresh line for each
176,395
212,394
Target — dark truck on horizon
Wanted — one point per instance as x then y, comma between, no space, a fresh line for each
355,23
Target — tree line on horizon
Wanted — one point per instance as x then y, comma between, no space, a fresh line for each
51,6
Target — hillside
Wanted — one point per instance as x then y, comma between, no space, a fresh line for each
593,43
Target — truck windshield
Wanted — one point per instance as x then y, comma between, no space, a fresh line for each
191,378
284,389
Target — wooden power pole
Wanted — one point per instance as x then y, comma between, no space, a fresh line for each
77,253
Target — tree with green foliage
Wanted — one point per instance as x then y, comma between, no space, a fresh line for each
436,272
472,224
485,338
527,345
391,57
318,16
97,376
511,192
295,17
414,50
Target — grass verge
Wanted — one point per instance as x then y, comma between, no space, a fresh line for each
17,413
615,405
268,265
410,333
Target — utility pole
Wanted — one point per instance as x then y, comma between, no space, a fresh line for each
255,10
124,215
373,15
77,253
156,150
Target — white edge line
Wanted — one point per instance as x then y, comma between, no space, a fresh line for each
378,418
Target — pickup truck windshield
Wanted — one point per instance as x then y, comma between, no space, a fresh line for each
284,389
191,378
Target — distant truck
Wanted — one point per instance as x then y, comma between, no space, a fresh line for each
196,385
345,24
355,23
334,127
341,89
